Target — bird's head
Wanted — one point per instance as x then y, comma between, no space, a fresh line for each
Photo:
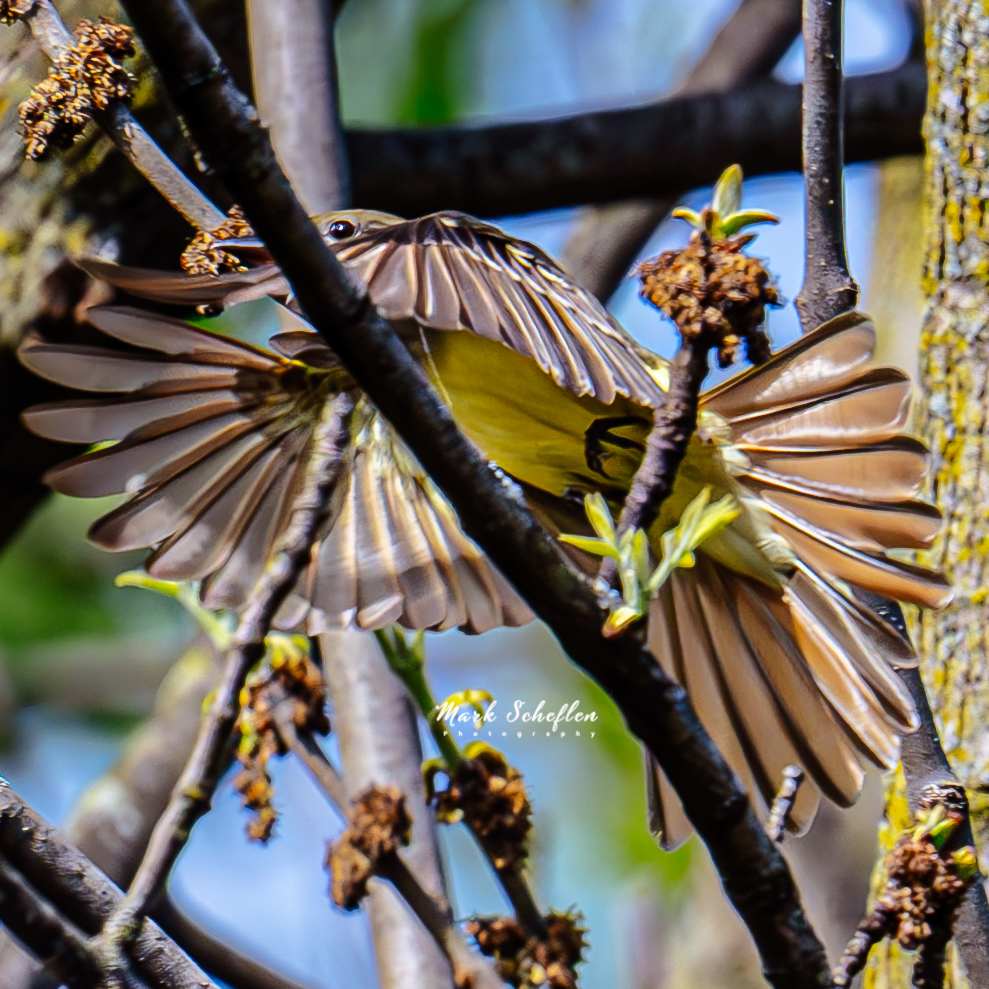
342,225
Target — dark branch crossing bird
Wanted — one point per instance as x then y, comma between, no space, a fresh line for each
768,632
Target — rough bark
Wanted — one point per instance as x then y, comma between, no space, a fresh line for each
954,419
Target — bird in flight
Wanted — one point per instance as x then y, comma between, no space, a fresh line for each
769,632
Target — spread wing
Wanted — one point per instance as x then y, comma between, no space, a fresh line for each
212,440
448,271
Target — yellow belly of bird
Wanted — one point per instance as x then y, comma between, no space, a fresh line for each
538,432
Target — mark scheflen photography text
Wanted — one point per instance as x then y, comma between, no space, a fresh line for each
566,722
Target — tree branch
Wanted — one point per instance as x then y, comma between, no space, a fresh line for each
44,932
295,84
233,968
365,694
654,150
112,821
121,127
656,709
83,895
828,289
608,238
924,763
193,793
408,663
674,424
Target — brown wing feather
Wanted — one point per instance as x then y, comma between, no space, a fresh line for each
449,271
190,290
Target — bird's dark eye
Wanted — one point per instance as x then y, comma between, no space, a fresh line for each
342,229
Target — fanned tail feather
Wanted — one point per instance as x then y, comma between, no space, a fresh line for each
805,673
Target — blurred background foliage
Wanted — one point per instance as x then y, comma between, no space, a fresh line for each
80,660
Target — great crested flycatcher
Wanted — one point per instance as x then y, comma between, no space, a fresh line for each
782,660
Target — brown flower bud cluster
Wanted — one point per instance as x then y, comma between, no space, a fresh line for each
13,10
204,256
289,677
489,795
85,78
379,826
715,293
924,888
528,963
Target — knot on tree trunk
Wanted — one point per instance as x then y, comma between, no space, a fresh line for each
926,879
379,826
528,962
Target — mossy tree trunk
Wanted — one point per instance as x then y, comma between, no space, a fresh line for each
954,418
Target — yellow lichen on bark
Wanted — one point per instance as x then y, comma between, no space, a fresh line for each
954,375
954,420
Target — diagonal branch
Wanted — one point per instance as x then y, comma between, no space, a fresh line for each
120,125
81,894
656,709
236,970
193,793
48,935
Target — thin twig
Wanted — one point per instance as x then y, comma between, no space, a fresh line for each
470,971
132,139
786,796
193,793
433,911
83,895
757,879
673,425
312,756
828,287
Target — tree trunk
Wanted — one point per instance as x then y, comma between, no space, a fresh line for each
378,734
954,418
